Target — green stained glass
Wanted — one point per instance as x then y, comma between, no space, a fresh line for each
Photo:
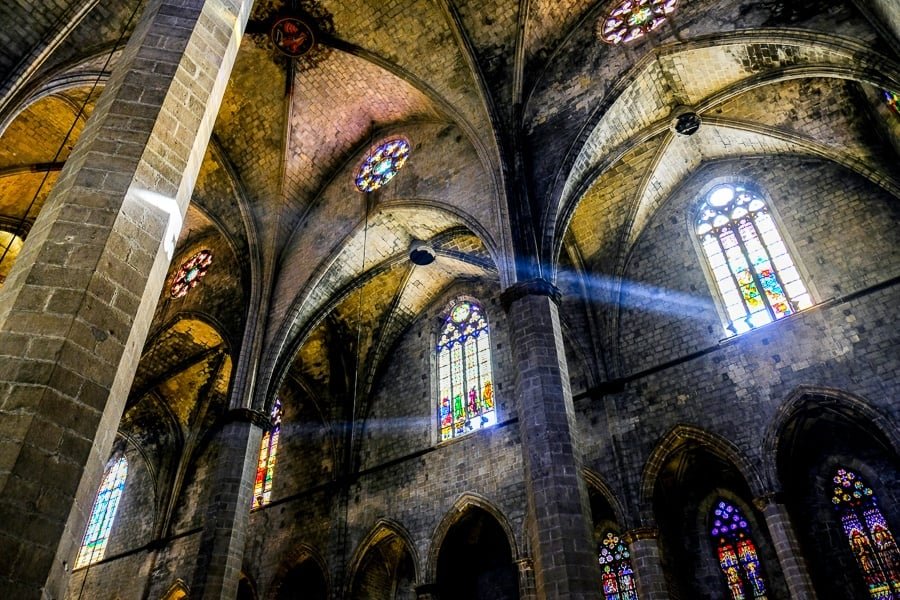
893,100
757,280
103,514
381,164
465,387
632,19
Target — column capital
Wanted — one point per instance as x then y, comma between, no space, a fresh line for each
640,533
767,498
249,415
530,287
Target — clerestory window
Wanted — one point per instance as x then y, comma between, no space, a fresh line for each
465,384
756,277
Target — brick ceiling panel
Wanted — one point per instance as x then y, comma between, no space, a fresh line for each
335,104
38,132
250,125
602,210
24,23
548,23
416,36
18,190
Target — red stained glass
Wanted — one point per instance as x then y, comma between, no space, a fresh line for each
615,563
870,538
633,19
191,272
738,558
268,453
465,387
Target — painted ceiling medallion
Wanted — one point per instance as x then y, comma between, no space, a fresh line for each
292,37
381,164
190,273
632,19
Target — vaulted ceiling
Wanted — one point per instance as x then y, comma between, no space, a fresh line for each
486,93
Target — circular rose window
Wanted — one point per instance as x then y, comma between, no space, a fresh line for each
381,164
632,19
190,273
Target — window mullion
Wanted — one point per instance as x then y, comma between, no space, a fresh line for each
775,272
753,274
737,284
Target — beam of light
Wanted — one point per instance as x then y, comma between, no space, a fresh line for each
170,207
636,295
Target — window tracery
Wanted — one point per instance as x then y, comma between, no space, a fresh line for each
381,164
268,454
190,273
755,275
633,19
465,383
737,553
870,538
615,563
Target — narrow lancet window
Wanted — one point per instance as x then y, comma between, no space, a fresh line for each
871,540
737,553
465,384
615,563
268,453
103,513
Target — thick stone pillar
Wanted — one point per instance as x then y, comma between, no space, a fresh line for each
787,548
77,305
565,564
648,572
225,527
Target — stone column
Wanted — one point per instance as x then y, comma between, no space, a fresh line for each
787,548
75,310
525,567
225,525
648,573
565,564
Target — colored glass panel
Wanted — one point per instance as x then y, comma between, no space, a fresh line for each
632,19
102,514
465,386
190,273
870,538
893,100
268,454
381,164
754,273
736,552
617,575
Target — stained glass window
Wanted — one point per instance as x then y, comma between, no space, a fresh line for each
103,513
268,453
632,19
755,275
190,273
615,563
736,553
871,540
893,100
465,385
381,164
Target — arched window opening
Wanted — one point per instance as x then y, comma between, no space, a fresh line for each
755,275
737,553
268,453
871,540
102,514
465,385
618,576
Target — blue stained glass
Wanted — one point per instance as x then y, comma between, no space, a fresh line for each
736,552
103,514
735,228
465,386
871,539
617,575
381,164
